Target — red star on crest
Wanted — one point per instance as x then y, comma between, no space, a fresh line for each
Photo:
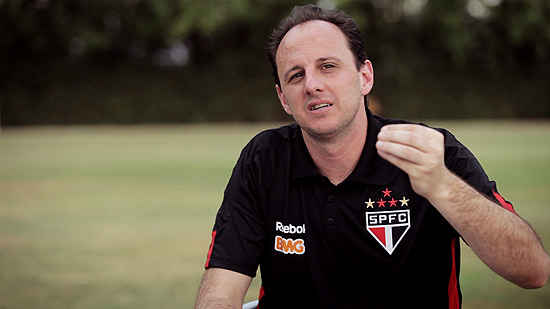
387,192
393,202
381,203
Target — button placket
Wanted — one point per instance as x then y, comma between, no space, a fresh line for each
330,219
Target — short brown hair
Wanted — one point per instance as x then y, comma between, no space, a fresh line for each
302,14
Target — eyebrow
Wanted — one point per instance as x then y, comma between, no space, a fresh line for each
329,59
297,67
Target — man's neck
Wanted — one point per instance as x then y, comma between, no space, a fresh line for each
337,157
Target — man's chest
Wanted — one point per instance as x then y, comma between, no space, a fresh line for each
369,219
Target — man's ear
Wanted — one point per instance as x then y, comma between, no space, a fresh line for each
367,77
282,99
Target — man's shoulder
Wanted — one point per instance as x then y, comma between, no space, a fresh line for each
272,140
275,137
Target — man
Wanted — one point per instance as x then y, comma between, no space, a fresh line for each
349,210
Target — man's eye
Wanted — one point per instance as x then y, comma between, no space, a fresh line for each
328,66
297,75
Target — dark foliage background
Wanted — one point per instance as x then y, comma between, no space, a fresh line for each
174,61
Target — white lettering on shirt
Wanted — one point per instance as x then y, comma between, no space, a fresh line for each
290,229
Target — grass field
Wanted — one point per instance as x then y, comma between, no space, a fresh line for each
120,217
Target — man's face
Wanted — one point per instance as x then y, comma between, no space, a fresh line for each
320,84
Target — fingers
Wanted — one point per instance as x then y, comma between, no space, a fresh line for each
417,150
423,139
407,140
415,136
404,152
408,143
404,164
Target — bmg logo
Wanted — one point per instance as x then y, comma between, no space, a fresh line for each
289,246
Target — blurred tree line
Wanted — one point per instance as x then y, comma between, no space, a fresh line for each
153,61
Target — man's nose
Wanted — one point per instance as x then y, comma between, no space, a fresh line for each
313,83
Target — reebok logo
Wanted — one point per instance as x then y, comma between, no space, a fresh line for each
290,229
289,246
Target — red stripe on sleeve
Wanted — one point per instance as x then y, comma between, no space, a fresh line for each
262,293
210,250
504,203
454,300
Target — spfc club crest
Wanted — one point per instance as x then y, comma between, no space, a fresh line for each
388,223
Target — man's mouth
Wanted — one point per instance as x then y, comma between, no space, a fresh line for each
319,106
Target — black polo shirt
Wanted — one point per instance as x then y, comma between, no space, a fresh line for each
370,242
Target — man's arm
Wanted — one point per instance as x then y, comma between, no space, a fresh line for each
222,288
500,238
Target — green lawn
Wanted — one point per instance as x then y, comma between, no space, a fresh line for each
120,217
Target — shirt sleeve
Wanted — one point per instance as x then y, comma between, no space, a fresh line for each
465,165
238,234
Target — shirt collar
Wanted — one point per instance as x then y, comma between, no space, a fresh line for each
371,168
